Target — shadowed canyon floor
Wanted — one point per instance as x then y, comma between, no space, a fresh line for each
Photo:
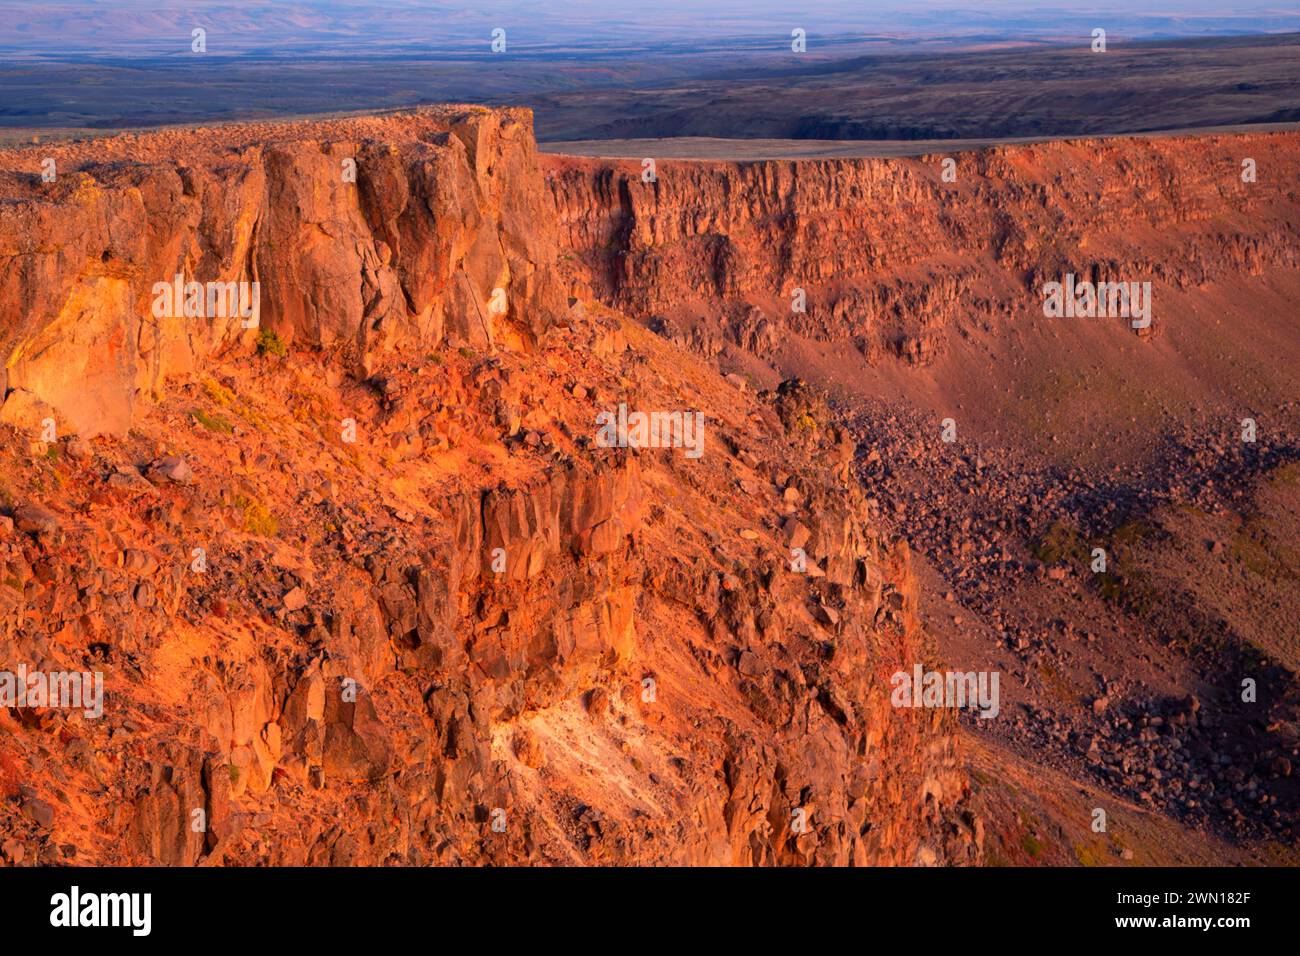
365,588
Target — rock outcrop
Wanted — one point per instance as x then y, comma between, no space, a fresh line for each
363,236
375,592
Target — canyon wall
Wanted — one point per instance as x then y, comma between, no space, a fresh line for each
893,256
360,243
382,599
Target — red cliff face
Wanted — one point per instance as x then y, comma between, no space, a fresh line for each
893,259
384,598
360,242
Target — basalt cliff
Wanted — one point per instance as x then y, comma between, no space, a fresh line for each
363,585
893,258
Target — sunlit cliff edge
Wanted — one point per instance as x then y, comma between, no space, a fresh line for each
383,599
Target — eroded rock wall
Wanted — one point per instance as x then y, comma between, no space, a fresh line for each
893,258
364,237
384,599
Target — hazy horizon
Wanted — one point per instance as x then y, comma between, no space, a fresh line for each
65,30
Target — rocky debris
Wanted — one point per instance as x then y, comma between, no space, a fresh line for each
35,519
369,661
170,469
295,600
527,748
475,595
984,518
40,812
129,481
598,702
79,449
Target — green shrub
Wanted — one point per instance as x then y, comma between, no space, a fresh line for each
268,343
1061,543
213,423
1031,845
257,517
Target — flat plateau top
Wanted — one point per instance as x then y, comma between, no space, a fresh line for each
706,148
157,142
